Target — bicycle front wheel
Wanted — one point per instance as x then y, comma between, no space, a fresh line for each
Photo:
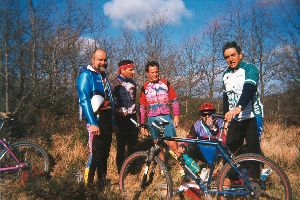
34,156
267,179
141,178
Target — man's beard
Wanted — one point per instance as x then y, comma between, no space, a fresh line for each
102,68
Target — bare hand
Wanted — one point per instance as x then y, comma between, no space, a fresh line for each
144,132
208,121
95,130
176,121
181,150
225,128
231,114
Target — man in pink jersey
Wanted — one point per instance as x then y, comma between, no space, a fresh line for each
156,96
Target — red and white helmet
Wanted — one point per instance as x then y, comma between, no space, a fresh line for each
207,107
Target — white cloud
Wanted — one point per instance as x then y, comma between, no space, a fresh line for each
133,14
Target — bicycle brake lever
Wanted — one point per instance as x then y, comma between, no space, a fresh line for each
135,122
154,124
162,119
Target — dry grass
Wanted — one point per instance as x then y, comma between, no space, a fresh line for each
71,155
65,151
282,145
70,151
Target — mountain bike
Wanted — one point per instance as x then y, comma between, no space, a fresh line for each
22,160
247,176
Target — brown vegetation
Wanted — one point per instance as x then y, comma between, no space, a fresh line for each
282,145
70,152
43,48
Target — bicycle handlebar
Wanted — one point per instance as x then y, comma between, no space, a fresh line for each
155,123
138,124
160,125
135,122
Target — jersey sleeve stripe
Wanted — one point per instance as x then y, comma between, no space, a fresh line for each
250,81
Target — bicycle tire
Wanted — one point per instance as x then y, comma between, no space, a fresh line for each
35,157
274,186
135,184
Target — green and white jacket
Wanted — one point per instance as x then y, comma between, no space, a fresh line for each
240,89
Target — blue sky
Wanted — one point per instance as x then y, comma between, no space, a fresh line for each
184,17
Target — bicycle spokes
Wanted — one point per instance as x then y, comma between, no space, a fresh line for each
264,179
142,179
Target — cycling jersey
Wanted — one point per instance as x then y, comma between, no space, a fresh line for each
155,99
94,89
92,84
124,93
241,89
200,129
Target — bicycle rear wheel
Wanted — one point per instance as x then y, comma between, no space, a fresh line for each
35,157
268,180
140,179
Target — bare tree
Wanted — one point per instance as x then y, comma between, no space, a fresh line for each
252,30
190,70
6,58
214,59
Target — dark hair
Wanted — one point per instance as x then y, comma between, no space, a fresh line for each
151,63
232,44
124,62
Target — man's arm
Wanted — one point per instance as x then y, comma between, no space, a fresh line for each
143,106
118,94
84,90
225,103
248,92
175,105
250,86
143,110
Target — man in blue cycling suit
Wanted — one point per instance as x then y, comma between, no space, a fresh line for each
96,103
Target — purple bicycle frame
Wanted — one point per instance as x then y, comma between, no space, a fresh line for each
19,163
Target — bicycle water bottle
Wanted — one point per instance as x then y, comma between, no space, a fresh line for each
191,163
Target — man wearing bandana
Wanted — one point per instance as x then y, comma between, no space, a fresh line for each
124,93
96,103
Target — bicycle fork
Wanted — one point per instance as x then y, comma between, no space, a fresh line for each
147,179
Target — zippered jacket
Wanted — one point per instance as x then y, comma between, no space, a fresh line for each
156,98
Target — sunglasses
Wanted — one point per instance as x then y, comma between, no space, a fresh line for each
206,114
